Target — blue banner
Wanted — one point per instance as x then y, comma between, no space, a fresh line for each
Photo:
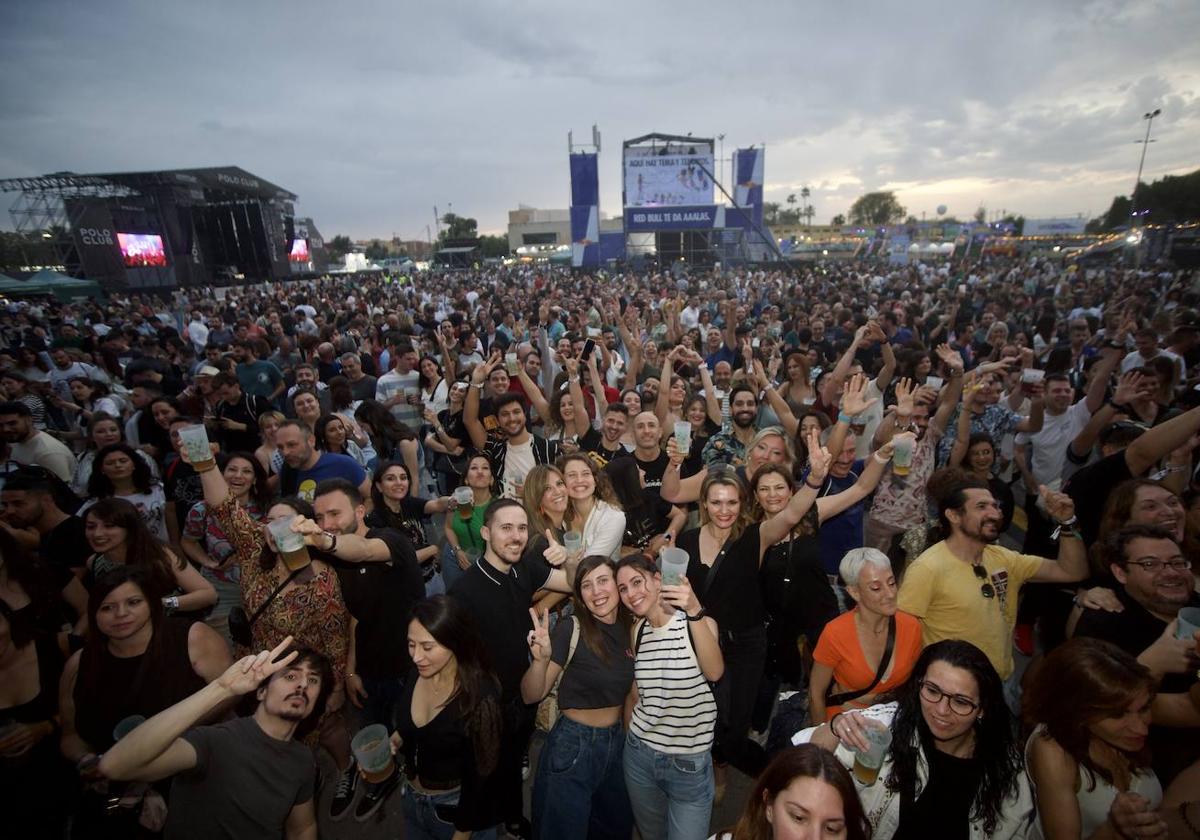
674,218
748,168
585,210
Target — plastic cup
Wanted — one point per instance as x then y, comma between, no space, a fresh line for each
465,497
290,544
194,441
1031,376
373,749
510,363
127,725
673,562
573,542
935,382
1189,623
868,762
683,436
858,424
902,455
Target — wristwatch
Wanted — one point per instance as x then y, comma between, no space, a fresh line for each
332,542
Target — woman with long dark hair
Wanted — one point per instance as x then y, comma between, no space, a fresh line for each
393,441
116,532
90,396
651,523
953,768
448,720
395,505
136,662
333,435
206,544
44,597
120,473
803,793
104,430
580,786
1089,703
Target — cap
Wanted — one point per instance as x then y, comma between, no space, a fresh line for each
207,370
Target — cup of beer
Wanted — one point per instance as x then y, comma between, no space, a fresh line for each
1189,623
868,762
465,497
290,544
1031,376
683,437
572,542
935,382
902,455
373,750
194,442
673,563
510,363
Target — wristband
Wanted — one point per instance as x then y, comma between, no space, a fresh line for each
1067,522
832,728
697,616
171,602
880,460
843,417
812,486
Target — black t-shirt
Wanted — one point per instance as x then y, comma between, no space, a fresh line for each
733,598
65,545
244,784
943,809
654,470
648,520
592,443
380,596
590,682
246,410
409,521
182,485
500,605
1089,489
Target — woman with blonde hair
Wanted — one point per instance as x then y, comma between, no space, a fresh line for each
268,454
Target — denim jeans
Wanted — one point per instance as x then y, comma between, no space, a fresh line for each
580,786
451,571
671,795
423,822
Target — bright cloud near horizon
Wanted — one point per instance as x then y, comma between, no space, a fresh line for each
375,112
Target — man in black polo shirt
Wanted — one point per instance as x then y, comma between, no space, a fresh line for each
381,581
1155,582
498,590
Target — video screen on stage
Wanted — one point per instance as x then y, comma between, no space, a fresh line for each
655,179
299,252
142,250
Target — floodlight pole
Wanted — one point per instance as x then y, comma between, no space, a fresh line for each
1149,118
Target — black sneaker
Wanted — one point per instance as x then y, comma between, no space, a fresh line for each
343,794
374,795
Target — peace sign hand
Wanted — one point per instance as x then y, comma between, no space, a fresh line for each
819,458
249,672
539,637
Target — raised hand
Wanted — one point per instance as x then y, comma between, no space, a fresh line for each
571,365
875,332
854,399
674,456
1059,506
904,396
539,637
681,597
819,458
951,357
249,672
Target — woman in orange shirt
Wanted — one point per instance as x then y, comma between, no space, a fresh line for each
851,647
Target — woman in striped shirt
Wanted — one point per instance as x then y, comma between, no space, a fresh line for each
671,712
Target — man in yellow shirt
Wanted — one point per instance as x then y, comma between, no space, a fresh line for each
965,587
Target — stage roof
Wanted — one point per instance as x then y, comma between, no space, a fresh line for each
227,179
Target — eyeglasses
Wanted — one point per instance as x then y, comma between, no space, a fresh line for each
987,590
1179,564
959,704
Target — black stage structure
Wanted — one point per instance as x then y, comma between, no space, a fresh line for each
173,228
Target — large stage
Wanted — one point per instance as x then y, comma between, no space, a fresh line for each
180,227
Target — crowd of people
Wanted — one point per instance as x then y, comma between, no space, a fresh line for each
910,546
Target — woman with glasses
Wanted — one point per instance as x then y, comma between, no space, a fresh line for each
953,768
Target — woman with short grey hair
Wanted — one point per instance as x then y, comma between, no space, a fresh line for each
868,650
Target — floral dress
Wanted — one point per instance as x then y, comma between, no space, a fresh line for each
313,613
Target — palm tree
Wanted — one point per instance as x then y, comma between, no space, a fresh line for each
807,209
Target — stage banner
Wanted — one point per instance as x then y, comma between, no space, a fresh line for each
585,210
654,179
674,218
1054,227
748,182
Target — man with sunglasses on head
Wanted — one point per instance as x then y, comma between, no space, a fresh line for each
966,586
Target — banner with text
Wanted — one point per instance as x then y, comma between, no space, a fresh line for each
674,218
671,180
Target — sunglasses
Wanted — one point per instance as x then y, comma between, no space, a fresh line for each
987,590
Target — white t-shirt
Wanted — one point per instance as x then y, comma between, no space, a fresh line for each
1048,447
518,461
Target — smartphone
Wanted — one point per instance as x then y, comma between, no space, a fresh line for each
588,347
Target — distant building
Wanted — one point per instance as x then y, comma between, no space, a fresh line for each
530,228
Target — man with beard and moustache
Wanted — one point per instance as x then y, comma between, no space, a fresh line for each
966,587
728,446
604,445
498,590
381,581
247,777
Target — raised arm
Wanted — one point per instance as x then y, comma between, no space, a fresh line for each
675,488
1110,358
844,363
787,418
1159,441
534,392
963,437
662,405
782,523
833,504
475,429
540,675
581,421
953,389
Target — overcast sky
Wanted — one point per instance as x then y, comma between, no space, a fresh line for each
374,112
